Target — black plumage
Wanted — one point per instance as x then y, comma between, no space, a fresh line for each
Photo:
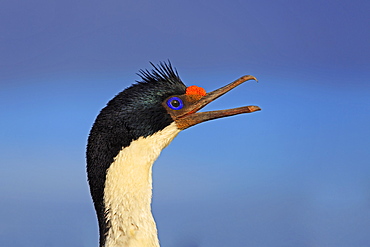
137,111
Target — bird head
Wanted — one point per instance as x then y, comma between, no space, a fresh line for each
161,98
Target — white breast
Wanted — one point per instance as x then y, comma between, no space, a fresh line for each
128,191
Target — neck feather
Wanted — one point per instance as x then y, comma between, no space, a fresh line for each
128,191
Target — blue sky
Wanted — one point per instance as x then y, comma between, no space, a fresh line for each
295,174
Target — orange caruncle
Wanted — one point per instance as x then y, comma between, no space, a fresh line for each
195,90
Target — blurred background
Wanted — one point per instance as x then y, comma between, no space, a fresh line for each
295,174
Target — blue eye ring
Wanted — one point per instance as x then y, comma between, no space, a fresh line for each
175,103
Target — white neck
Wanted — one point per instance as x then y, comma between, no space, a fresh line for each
128,191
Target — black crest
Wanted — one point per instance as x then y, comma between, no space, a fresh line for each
162,73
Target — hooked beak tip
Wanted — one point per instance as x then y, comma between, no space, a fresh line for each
248,77
254,108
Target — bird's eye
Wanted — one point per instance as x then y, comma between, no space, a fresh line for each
175,103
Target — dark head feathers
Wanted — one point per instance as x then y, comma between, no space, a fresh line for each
137,111
155,86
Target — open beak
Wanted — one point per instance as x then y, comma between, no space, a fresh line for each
190,116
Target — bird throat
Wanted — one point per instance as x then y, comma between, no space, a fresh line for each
128,191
